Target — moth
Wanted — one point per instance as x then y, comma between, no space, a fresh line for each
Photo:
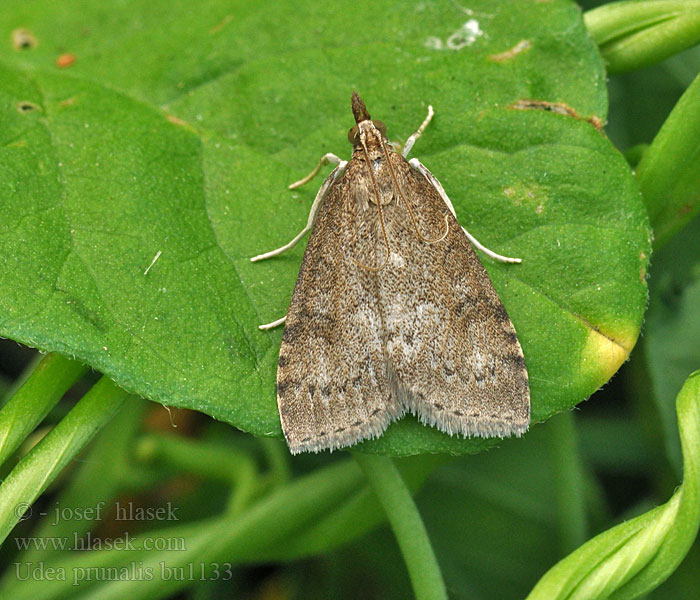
393,312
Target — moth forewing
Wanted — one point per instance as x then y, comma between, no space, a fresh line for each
393,312
457,361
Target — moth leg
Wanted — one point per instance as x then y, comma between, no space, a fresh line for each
325,159
274,324
421,168
322,193
414,137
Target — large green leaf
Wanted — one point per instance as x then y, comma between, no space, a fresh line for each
175,132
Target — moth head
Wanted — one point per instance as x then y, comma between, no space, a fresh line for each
354,133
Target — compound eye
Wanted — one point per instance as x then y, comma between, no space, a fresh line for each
380,126
354,136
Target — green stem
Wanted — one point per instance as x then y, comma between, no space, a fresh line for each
635,34
634,557
210,461
684,529
277,454
669,172
91,485
405,520
28,406
46,460
358,514
206,460
568,481
17,382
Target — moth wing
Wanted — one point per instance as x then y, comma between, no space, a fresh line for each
454,356
333,388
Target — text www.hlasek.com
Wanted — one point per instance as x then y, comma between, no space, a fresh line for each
88,542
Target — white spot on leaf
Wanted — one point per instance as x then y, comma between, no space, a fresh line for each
466,35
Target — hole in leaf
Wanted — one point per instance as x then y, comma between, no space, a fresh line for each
23,39
26,107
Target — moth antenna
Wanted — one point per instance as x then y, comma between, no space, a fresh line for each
373,269
379,210
408,207
388,252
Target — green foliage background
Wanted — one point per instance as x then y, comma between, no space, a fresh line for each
174,134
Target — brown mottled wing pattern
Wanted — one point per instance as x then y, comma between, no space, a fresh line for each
385,320
454,357
332,382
